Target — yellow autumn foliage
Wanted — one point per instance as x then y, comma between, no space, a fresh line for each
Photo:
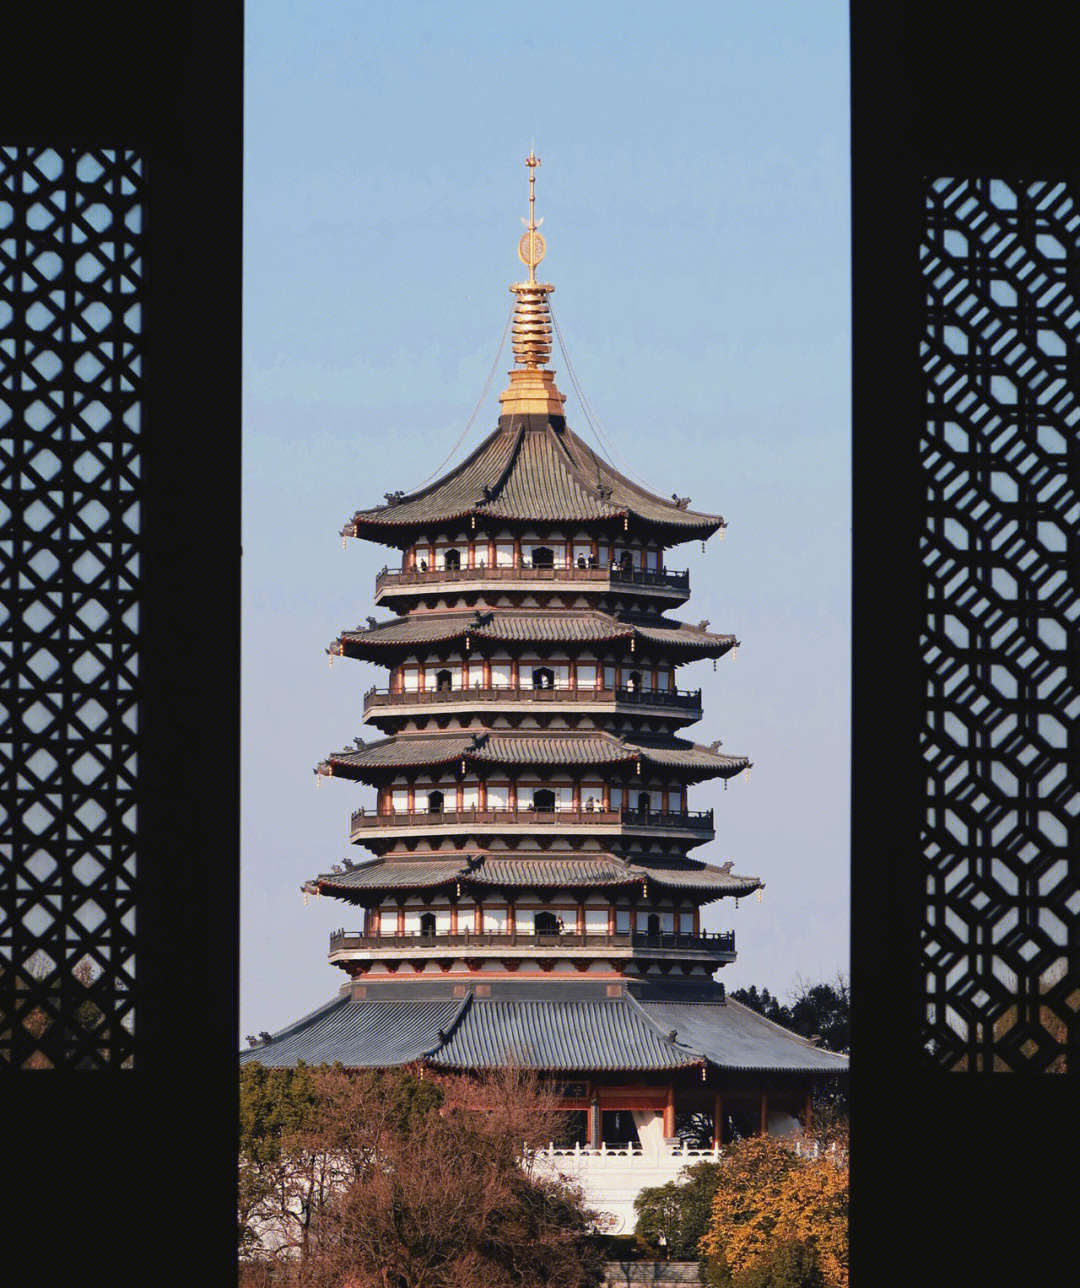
769,1195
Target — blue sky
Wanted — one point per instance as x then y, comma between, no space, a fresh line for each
695,192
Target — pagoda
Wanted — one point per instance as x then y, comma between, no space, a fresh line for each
533,887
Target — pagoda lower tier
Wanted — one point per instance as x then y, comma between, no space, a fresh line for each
534,914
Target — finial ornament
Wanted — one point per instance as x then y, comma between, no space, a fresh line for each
531,247
532,384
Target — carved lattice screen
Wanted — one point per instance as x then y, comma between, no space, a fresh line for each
1001,648
70,383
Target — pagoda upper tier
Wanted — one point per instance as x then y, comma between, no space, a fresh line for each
533,469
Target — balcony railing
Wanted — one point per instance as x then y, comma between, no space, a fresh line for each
670,699
657,579
682,821
631,940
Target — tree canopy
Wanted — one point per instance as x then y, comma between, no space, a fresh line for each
778,1218
365,1178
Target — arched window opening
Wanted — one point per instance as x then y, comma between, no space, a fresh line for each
427,923
654,923
543,678
435,802
626,561
634,683
544,799
546,923
542,557
443,681
452,559
643,802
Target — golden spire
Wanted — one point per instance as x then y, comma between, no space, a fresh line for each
532,385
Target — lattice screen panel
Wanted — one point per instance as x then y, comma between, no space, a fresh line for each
70,386
1001,648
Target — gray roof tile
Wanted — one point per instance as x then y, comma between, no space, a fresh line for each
732,1036
529,469
374,1034
558,1035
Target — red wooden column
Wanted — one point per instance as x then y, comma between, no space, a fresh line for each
718,1120
594,1122
669,1113
581,918
453,919
575,796
764,1113
478,917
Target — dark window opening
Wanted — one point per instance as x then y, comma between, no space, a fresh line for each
617,1127
544,799
626,561
634,683
546,923
543,678
654,923
643,803
542,557
435,802
443,681
427,923
452,559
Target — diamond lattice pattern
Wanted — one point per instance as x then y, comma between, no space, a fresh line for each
1001,652
70,386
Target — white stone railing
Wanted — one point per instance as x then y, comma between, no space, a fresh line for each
626,1155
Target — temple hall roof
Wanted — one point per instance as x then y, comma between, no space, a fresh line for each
556,1027
532,468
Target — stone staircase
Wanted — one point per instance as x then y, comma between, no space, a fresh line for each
646,1274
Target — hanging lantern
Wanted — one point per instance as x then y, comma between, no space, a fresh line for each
746,776
759,895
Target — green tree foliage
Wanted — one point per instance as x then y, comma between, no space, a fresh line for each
821,1010
672,1218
